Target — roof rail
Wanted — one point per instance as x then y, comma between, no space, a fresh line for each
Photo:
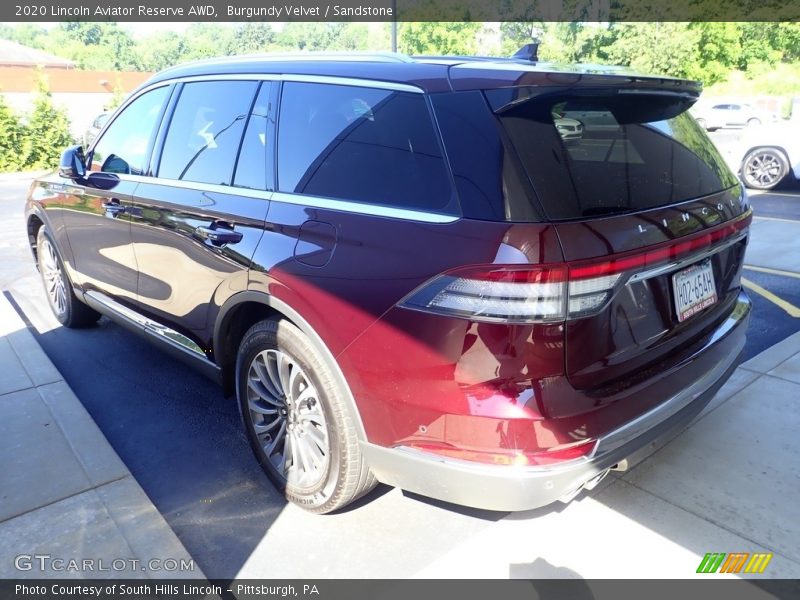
318,56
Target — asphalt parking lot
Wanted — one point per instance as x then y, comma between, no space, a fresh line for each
182,442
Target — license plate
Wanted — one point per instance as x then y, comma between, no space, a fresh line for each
694,290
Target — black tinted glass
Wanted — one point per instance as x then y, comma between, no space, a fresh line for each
123,147
361,144
611,155
252,168
205,131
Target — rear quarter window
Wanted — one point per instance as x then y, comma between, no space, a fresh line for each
361,144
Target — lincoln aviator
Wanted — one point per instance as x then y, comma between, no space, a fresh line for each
486,281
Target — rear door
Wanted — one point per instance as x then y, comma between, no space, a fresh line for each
652,225
197,223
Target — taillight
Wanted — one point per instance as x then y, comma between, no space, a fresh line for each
508,294
553,292
513,294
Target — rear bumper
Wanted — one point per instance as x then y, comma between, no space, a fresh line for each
512,488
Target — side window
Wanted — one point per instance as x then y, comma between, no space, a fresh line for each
252,170
205,131
362,144
123,147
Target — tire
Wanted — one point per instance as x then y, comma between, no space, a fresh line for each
753,122
305,439
764,168
67,309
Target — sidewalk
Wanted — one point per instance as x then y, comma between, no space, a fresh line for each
64,492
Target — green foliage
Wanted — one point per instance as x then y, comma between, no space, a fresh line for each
162,50
12,140
47,131
438,38
708,51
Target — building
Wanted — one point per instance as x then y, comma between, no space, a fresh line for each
84,94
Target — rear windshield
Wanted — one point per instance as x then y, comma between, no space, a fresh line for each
606,155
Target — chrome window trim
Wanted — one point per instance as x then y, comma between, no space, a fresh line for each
200,186
299,78
376,210
353,82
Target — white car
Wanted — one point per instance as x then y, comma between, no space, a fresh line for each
766,156
730,114
570,130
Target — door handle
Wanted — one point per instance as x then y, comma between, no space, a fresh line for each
218,235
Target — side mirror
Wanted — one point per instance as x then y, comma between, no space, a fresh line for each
73,163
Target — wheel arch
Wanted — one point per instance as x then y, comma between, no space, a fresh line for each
34,221
240,312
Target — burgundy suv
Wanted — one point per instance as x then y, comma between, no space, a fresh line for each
485,281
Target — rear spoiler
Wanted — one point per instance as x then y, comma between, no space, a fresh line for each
641,104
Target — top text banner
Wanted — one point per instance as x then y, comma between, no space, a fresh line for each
399,10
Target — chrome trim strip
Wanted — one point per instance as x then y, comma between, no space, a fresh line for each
200,187
665,410
300,200
363,209
328,79
661,269
162,332
371,83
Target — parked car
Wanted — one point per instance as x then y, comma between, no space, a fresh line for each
732,114
402,271
768,155
94,129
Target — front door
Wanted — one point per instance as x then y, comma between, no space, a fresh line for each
97,212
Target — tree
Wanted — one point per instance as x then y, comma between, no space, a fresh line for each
439,38
718,51
162,50
13,144
666,48
47,130
252,38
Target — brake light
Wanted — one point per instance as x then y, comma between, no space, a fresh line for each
552,292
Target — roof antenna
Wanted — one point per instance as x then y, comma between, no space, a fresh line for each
528,52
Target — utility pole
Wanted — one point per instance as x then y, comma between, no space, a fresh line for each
394,25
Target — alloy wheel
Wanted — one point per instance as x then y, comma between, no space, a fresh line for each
288,419
763,169
53,276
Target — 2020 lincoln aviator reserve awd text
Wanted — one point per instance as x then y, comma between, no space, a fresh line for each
409,270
